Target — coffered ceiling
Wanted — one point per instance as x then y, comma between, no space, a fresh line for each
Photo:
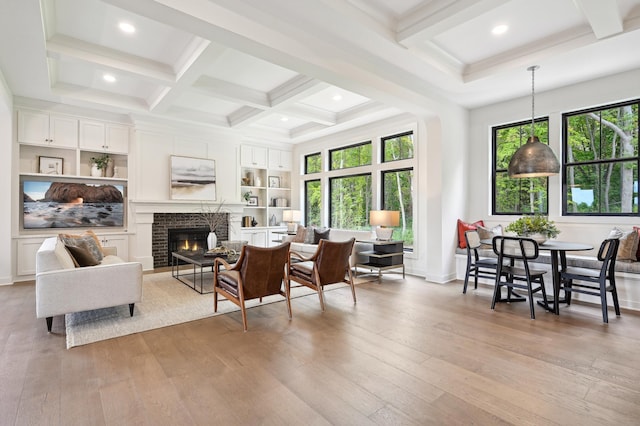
289,71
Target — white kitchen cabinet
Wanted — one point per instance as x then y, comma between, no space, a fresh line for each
253,156
41,128
279,159
255,237
105,137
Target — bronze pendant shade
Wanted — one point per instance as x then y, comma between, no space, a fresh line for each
533,159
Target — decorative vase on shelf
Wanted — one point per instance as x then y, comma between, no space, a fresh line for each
109,170
95,171
212,240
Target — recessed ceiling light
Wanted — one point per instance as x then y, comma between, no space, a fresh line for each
337,97
284,118
499,29
109,78
126,27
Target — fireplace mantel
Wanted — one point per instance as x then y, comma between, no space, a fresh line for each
141,213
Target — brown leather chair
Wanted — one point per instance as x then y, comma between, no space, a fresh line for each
259,272
328,265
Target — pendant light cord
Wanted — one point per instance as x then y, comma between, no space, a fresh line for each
533,98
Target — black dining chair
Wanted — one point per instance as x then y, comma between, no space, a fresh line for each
593,281
479,267
513,270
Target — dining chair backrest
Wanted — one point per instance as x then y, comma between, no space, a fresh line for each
472,238
607,255
517,248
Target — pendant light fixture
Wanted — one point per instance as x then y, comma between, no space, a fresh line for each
534,158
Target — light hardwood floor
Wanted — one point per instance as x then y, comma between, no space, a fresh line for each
409,352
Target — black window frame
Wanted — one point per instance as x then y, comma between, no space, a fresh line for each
306,201
566,164
343,148
383,141
494,170
329,196
306,163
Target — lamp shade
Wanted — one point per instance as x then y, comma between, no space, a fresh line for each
533,159
384,218
291,215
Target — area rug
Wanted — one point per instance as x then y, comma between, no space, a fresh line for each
165,302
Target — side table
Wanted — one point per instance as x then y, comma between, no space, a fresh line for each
386,254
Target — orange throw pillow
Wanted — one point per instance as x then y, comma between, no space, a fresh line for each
463,227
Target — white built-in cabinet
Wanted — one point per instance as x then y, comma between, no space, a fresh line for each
101,136
253,156
266,175
74,140
42,128
254,237
69,141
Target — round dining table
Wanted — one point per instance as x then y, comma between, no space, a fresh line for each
558,251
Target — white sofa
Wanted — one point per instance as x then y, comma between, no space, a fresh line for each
62,288
308,250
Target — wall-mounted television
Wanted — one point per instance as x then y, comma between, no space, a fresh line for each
66,203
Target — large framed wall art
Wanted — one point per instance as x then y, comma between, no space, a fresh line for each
193,178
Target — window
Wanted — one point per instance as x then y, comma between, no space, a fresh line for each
398,147
313,203
600,165
350,156
521,195
350,201
397,194
312,163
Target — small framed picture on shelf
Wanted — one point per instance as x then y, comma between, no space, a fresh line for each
50,165
253,201
274,181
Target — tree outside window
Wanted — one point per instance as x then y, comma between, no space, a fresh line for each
312,163
397,147
521,195
350,156
600,170
350,201
397,194
313,203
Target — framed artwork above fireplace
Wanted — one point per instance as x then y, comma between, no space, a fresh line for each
193,178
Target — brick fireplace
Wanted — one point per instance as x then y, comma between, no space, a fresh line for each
166,225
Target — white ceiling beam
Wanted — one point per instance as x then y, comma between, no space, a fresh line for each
99,97
296,88
307,112
532,53
191,67
61,46
603,16
245,116
231,92
438,16
196,116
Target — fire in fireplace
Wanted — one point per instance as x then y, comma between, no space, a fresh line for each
186,239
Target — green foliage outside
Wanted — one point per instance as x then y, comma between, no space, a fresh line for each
351,156
518,196
397,147
397,195
313,207
313,163
350,202
602,161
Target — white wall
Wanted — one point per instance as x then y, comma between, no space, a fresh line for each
6,181
553,103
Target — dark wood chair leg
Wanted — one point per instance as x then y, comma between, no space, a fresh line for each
466,280
603,301
614,295
49,323
131,307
